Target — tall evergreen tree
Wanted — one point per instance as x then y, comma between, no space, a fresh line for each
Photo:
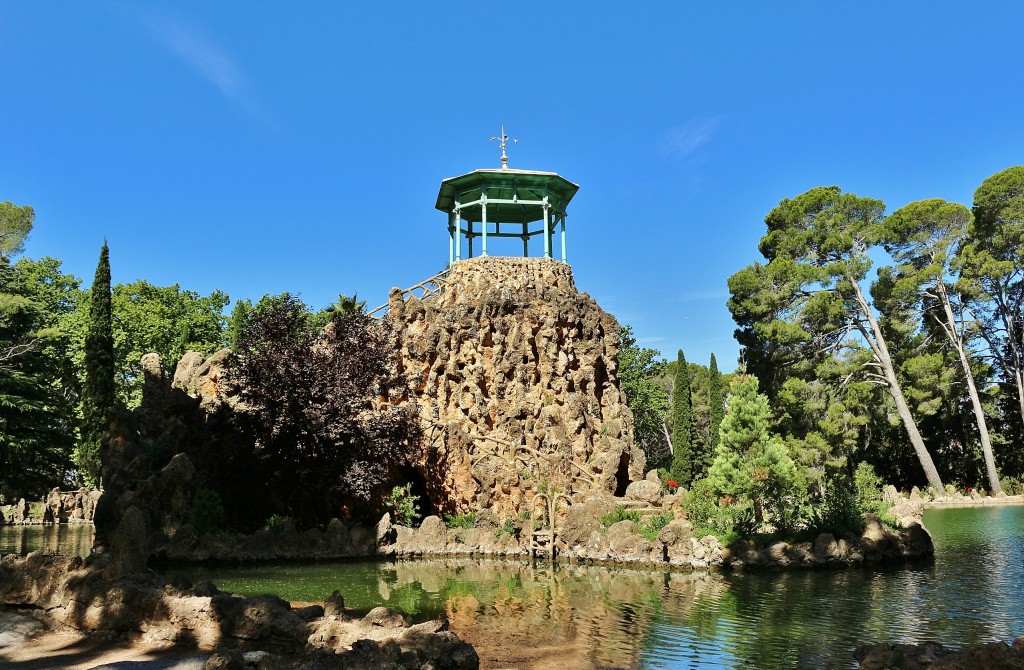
682,424
717,406
99,393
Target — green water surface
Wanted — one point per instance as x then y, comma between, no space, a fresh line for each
536,615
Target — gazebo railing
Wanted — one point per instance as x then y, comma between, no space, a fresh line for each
427,289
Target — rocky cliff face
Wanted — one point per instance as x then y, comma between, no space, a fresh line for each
515,374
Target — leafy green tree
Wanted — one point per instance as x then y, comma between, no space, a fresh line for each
922,237
808,302
992,271
15,225
167,320
682,424
237,322
37,413
639,370
99,393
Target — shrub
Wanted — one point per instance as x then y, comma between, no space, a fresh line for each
404,504
650,526
869,491
1012,486
279,523
460,520
840,511
206,513
620,514
726,518
508,528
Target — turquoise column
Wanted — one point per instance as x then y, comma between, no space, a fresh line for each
458,232
469,238
451,238
563,238
526,243
483,224
547,230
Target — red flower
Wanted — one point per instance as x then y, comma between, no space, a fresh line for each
672,484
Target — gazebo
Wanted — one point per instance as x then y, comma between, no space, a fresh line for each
504,203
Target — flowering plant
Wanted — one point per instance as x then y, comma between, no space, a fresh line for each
672,485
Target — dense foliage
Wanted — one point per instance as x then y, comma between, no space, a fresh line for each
37,405
318,437
99,395
682,424
639,372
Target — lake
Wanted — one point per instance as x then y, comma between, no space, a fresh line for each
566,617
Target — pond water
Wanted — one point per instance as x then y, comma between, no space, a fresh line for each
519,614
69,538
534,615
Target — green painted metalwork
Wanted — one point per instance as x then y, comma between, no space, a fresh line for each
496,198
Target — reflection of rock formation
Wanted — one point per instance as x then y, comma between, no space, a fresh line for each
516,374
516,615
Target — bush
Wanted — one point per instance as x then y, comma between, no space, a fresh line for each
508,528
460,520
279,523
869,491
1012,486
207,513
840,510
620,514
404,504
725,518
652,525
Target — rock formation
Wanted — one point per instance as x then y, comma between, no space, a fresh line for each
77,594
515,374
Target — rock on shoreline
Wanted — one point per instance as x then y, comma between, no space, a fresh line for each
74,593
933,656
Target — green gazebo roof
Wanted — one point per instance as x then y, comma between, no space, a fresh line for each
505,185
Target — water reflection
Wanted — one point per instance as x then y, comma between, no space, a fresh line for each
69,539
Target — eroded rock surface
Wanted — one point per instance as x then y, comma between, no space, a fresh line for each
515,373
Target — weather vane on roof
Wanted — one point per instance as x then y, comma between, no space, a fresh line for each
503,139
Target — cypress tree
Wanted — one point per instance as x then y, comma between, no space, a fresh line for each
99,395
682,424
717,405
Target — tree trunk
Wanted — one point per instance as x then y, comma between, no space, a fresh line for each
881,351
1009,319
979,414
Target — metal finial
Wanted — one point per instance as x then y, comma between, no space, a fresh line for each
503,138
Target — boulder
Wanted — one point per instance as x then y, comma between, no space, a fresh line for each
625,544
334,606
577,527
644,491
432,535
384,532
826,548
129,549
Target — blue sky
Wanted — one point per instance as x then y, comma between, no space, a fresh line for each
260,147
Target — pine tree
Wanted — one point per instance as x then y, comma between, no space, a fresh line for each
717,407
99,394
682,424
753,465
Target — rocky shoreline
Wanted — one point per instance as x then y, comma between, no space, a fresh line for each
934,656
57,507
580,537
82,595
